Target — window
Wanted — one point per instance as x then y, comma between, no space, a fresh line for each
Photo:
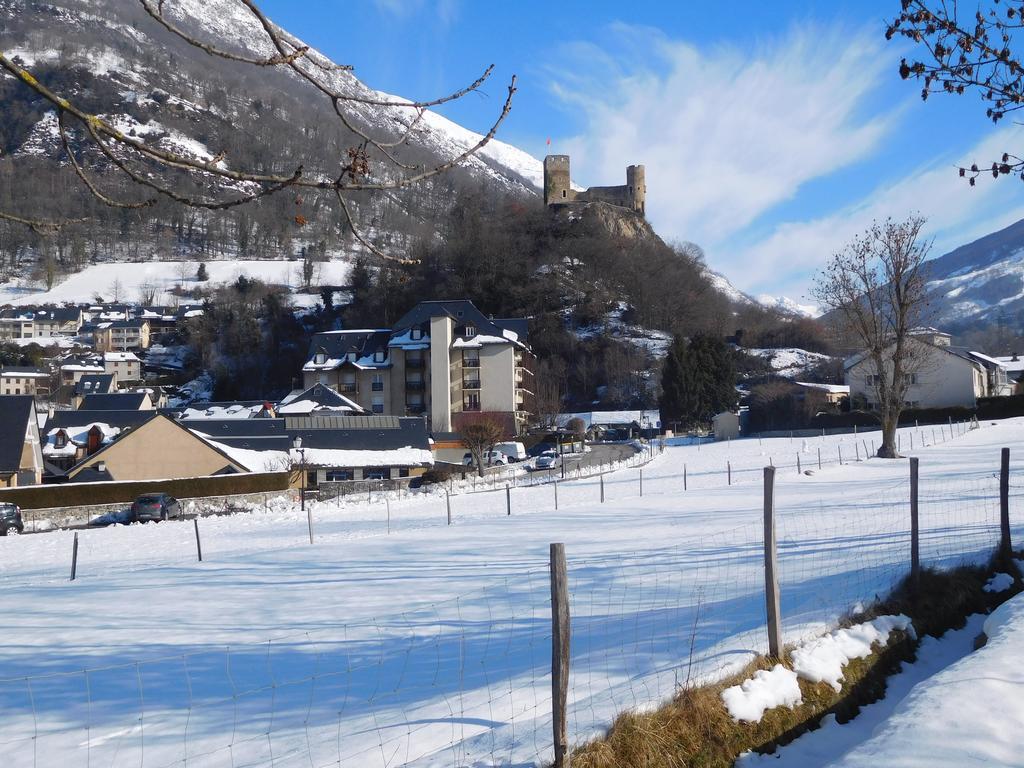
378,382
60,439
380,356
378,405
377,473
472,402
403,471
338,475
416,334
563,193
470,331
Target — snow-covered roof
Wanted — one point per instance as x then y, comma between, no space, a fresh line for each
986,359
1013,363
121,357
76,437
646,418
394,457
835,389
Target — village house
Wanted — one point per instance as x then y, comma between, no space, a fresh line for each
126,366
92,384
943,375
39,322
18,380
21,459
71,436
156,449
444,360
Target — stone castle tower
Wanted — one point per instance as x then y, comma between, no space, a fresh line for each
558,187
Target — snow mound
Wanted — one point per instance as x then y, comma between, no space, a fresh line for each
822,660
765,690
999,582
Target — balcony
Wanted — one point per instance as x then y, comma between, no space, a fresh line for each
471,383
415,363
471,362
348,387
416,409
471,407
414,386
377,386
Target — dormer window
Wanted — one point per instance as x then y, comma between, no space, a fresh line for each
470,331
380,356
416,334
320,358
60,439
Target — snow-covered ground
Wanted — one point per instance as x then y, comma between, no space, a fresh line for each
791,362
129,280
395,639
948,709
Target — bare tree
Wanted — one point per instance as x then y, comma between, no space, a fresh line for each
480,436
372,163
969,51
874,291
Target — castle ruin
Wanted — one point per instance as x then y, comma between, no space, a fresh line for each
558,187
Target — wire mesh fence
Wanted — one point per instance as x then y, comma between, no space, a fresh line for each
466,680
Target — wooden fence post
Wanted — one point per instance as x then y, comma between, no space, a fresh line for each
915,529
856,448
556,493
387,504
74,557
684,477
641,482
1005,545
448,505
819,458
560,634
309,521
199,546
771,573
601,478
840,455
728,468
798,470
508,499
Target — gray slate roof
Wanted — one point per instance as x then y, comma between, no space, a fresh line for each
15,413
114,401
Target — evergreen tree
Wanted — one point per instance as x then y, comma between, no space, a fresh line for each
201,274
698,381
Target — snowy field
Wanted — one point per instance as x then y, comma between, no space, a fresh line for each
397,640
132,277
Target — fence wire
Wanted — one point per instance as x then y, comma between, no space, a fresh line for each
466,680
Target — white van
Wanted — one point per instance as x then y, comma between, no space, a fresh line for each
514,451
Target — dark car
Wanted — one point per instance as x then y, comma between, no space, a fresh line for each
10,519
155,506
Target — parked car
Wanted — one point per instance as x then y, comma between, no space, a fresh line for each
490,459
540,449
10,519
547,460
155,506
513,451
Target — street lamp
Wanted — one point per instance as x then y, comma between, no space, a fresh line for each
297,444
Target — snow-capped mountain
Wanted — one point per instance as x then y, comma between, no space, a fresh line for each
788,306
121,63
980,283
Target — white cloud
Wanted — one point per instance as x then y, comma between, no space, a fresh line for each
957,214
446,10
726,134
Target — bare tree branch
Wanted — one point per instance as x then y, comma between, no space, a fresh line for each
358,174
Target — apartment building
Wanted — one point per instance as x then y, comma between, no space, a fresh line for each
444,360
39,322
121,336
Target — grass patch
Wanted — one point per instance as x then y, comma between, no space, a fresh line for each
694,730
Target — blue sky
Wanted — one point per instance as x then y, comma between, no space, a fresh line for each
771,132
